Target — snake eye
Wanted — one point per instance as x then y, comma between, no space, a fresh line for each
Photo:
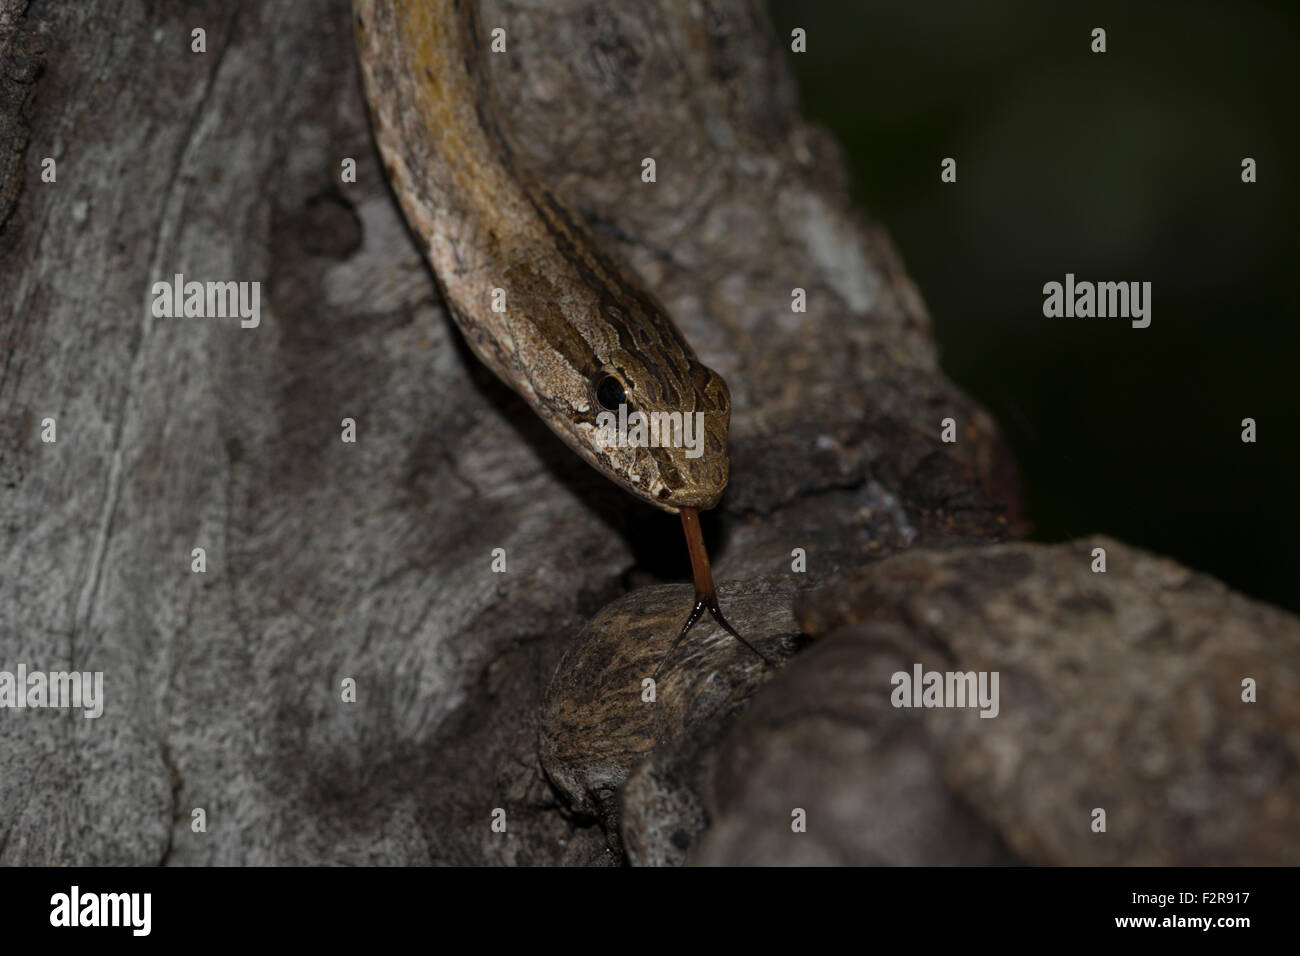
610,393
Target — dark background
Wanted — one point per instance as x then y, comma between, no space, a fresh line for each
1122,166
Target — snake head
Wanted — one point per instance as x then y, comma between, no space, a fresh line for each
659,429
614,378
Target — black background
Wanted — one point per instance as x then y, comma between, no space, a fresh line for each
1122,166
335,907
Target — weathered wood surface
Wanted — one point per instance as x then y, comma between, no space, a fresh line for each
372,560
1120,691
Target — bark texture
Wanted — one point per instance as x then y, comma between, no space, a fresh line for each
522,691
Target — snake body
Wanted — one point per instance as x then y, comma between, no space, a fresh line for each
574,317
579,333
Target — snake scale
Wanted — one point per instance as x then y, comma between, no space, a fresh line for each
580,334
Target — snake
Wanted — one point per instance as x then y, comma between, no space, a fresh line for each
566,325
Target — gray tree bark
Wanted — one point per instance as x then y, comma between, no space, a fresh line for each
372,561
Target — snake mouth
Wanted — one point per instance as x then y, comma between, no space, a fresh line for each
673,500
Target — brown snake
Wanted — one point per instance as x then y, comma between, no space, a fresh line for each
579,334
